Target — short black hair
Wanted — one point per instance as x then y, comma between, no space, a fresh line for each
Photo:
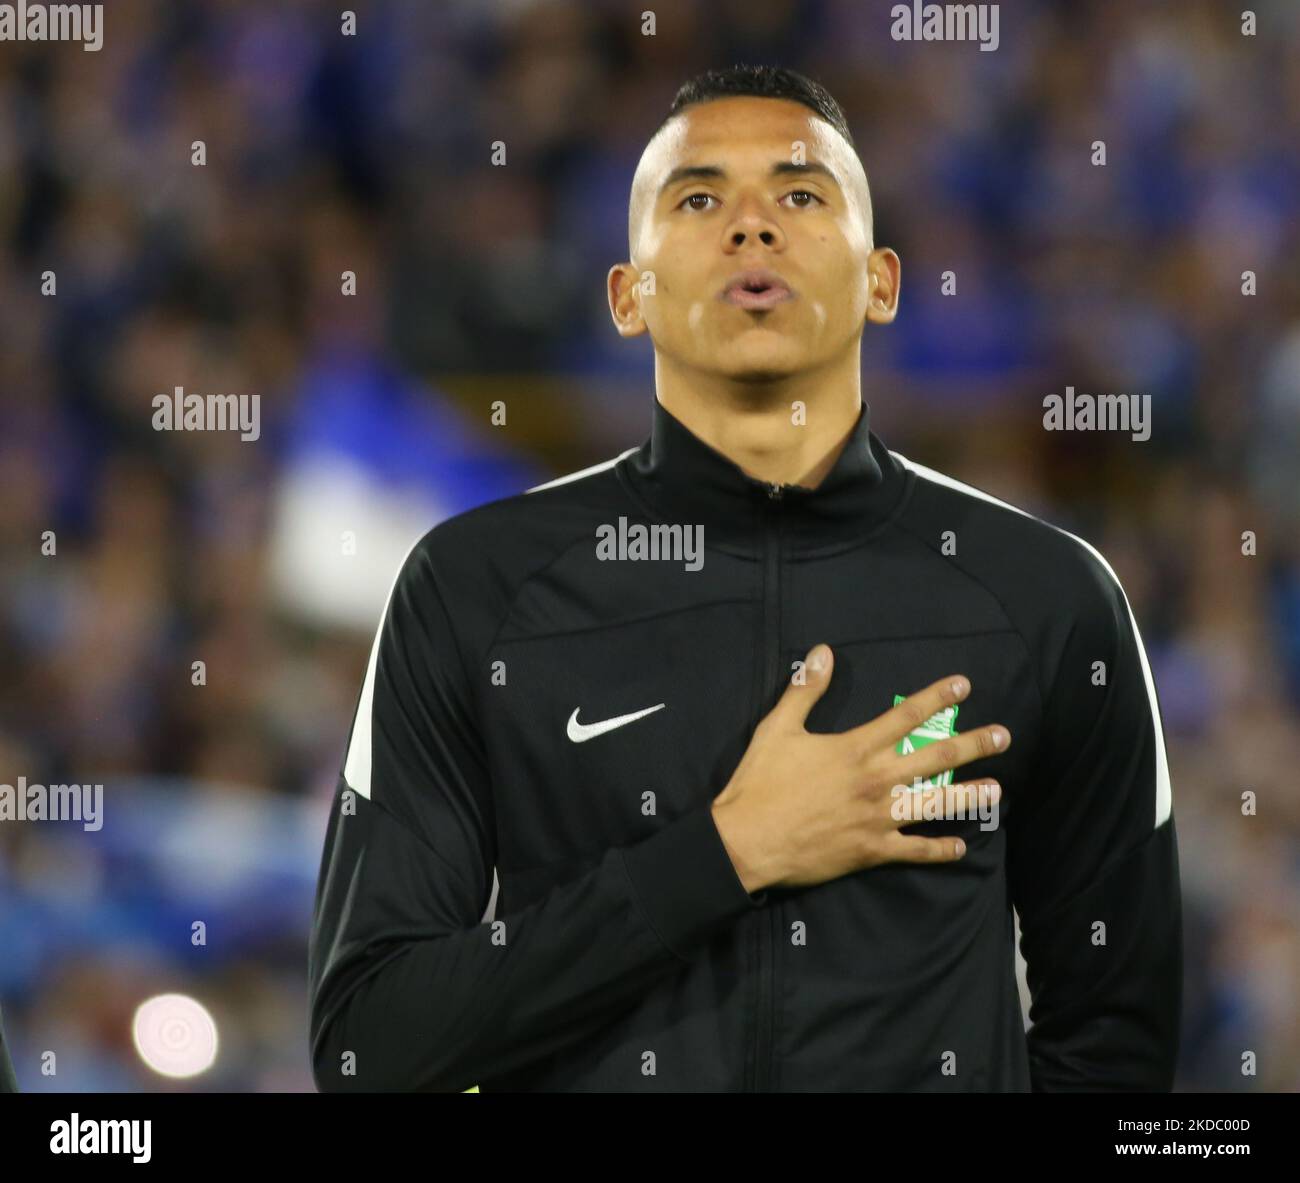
767,82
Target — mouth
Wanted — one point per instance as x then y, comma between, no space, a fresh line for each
756,290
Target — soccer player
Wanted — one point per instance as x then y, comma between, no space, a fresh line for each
651,784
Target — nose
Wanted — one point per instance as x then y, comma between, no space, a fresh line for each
739,236
752,224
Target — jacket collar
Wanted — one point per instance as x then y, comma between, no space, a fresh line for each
679,478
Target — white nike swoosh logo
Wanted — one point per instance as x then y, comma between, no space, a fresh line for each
581,732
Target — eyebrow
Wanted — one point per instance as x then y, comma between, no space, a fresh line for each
689,172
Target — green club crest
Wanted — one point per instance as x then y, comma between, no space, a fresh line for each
940,725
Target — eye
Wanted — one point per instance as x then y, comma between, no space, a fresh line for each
693,196
804,193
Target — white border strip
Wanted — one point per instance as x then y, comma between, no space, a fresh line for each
357,766
577,476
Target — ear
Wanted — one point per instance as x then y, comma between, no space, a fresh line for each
884,272
624,292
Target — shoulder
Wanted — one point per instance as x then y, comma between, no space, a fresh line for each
1024,557
1059,591
487,553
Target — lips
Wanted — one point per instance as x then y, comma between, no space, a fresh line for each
756,289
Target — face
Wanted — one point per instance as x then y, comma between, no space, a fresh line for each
751,190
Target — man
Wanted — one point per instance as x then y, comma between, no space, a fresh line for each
650,782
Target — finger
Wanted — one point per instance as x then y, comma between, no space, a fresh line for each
953,752
887,729
808,682
943,803
913,848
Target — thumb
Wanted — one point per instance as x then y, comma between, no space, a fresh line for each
807,684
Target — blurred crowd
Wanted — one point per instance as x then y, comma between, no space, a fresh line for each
476,281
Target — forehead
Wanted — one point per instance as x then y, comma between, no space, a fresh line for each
734,128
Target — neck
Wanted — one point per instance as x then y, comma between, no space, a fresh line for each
754,424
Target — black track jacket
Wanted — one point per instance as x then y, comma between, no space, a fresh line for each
522,885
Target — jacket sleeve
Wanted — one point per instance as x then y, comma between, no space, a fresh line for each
8,1081
1093,862
417,981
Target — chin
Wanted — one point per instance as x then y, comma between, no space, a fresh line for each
763,365
760,377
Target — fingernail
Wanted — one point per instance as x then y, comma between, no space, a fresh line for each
999,737
817,658
959,687
961,847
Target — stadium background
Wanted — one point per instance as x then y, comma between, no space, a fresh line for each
476,283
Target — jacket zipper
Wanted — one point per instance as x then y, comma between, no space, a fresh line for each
767,924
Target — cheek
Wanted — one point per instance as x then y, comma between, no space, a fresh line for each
676,313
849,290
680,301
